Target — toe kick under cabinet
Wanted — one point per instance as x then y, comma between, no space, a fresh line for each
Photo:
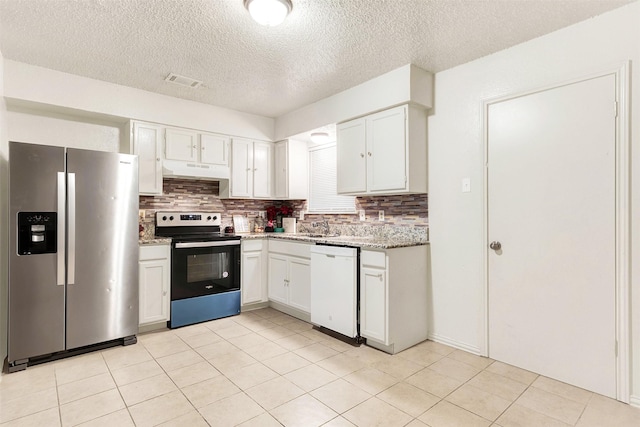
393,297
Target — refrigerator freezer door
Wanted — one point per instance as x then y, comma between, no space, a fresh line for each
36,302
102,298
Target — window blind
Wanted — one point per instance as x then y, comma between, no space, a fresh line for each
322,183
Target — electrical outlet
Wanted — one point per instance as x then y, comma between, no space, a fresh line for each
141,214
380,215
261,214
301,215
362,215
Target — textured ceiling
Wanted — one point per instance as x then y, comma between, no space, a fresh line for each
322,48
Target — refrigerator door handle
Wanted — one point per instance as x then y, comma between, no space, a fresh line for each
71,242
61,228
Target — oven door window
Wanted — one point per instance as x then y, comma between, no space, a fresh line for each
204,271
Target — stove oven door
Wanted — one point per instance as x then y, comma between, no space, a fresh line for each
204,268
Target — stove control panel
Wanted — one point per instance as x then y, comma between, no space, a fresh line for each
187,219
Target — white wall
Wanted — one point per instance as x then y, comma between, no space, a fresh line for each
4,220
63,131
30,85
456,152
400,86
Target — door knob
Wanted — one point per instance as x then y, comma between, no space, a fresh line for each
496,246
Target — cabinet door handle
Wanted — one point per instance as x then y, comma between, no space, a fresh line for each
158,159
361,154
369,153
380,276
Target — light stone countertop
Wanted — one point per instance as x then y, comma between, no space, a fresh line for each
356,241
373,242
155,241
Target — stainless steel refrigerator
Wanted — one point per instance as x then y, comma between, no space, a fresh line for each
73,260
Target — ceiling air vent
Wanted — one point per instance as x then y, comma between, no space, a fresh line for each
182,80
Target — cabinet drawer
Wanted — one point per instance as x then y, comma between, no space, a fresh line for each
374,259
252,245
149,252
290,248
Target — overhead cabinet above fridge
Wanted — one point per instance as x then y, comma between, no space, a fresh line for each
383,153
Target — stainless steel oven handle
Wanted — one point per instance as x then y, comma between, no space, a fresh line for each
207,244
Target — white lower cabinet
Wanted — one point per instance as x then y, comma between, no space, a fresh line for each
289,269
393,297
373,300
154,282
254,271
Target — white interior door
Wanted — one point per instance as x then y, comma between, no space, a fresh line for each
551,205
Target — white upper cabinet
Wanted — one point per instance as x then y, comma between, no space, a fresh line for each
147,145
181,144
214,149
291,170
383,153
351,150
251,170
191,146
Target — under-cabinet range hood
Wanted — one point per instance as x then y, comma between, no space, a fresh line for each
178,169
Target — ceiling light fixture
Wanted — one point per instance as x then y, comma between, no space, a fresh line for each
319,137
268,12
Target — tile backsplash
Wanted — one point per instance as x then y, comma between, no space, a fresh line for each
199,195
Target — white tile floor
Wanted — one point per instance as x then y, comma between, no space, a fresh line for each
264,368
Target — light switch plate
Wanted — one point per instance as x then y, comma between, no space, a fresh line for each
466,185
301,215
380,215
362,215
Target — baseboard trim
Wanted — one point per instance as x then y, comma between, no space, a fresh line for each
454,343
291,311
634,401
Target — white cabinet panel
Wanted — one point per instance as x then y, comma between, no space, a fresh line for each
383,153
181,144
251,170
241,168
290,275
154,282
262,169
147,145
291,170
214,149
351,157
278,277
254,271
373,296
386,156
300,284
393,297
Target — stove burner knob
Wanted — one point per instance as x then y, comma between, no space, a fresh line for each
171,218
164,218
208,218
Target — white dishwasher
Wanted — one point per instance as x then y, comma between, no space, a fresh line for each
334,288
